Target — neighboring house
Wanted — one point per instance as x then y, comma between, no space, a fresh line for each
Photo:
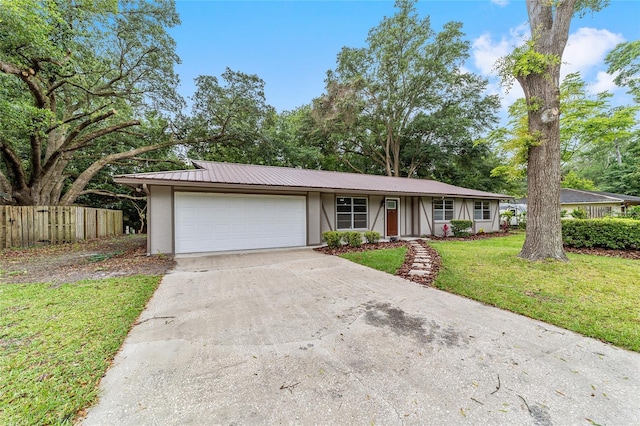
596,203
518,210
224,207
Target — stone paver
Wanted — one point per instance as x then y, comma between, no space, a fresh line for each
421,262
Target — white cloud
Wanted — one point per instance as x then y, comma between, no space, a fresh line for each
500,3
604,82
486,51
584,53
586,49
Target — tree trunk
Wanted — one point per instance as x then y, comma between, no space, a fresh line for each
544,227
618,154
549,22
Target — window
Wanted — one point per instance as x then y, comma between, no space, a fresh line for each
481,210
351,213
442,209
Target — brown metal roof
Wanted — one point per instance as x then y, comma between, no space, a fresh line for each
579,196
216,175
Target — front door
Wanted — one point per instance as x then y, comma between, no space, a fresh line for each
392,216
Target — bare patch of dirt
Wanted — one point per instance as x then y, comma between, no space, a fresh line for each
95,259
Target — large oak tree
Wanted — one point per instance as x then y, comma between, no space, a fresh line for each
74,75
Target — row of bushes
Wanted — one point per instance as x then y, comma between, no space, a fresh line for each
335,239
619,234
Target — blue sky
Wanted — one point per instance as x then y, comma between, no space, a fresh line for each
291,44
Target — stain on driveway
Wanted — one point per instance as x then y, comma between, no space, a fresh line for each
296,337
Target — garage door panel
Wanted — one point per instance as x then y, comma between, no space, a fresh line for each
219,222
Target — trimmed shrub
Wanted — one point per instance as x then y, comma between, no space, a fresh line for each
372,236
333,238
461,227
605,233
579,214
353,238
633,212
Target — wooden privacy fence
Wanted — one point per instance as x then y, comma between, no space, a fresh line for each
22,226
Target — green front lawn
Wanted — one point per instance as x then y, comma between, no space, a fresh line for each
57,342
592,295
386,260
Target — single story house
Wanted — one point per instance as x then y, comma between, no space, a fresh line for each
226,207
596,203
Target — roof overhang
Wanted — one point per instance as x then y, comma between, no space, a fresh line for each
134,182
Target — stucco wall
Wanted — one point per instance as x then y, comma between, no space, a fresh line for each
327,212
377,214
314,216
160,216
425,208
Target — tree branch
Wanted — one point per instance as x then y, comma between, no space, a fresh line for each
72,135
83,179
75,117
564,11
124,73
111,194
346,160
84,142
27,77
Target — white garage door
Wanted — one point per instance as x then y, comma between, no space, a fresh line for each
220,222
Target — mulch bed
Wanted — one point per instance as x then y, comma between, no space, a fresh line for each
403,271
596,251
427,279
364,247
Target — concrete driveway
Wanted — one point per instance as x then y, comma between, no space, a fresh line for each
297,337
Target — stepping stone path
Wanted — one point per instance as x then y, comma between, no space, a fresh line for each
422,262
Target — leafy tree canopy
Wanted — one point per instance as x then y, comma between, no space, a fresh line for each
73,75
573,181
389,105
624,62
587,122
